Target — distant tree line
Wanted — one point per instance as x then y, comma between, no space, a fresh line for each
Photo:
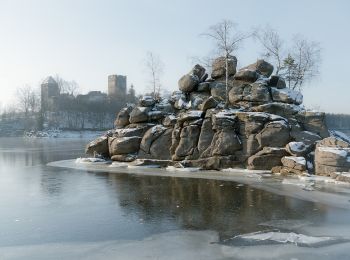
338,121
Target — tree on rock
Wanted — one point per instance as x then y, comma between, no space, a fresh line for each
298,63
307,57
227,39
154,67
273,46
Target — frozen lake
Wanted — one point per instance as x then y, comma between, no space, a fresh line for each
62,213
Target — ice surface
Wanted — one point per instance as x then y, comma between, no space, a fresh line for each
271,237
287,224
306,185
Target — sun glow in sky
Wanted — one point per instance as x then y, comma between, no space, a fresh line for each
86,40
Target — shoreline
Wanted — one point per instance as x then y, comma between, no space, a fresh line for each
322,189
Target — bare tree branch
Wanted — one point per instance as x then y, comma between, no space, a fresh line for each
154,67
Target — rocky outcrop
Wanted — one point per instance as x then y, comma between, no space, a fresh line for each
263,127
332,155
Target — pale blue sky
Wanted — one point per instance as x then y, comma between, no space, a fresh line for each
86,40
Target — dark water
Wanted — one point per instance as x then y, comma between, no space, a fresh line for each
41,204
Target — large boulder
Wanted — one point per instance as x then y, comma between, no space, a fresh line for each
278,108
334,141
149,137
203,87
209,103
225,142
165,106
267,158
246,75
249,92
206,136
188,83
98,147
224,119
307,137
314,122
251,122
139,131
219,67
294,162
160,148
139,115
199,71
297,148
332,155
146,101
123,117
287,95
188,142
274,134
124,145
218,91
262,67
189,115
197,99
277,82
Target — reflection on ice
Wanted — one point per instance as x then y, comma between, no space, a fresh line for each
287,224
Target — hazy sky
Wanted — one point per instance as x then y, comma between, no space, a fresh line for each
86,40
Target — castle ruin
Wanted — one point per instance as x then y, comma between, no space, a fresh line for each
116,86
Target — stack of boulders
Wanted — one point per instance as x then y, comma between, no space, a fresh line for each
254,121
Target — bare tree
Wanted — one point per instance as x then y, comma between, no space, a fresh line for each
272,44
227,40
68,87
205,61
155,68
298,63
28,99
307,57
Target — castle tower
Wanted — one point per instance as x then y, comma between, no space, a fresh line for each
49,90
116,86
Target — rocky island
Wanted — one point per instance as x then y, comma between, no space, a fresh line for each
248,120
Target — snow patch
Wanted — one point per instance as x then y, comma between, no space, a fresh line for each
119,165
337,151
91,160
187,169
288,238
298,160
297,146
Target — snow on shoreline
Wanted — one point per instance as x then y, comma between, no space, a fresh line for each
56,133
